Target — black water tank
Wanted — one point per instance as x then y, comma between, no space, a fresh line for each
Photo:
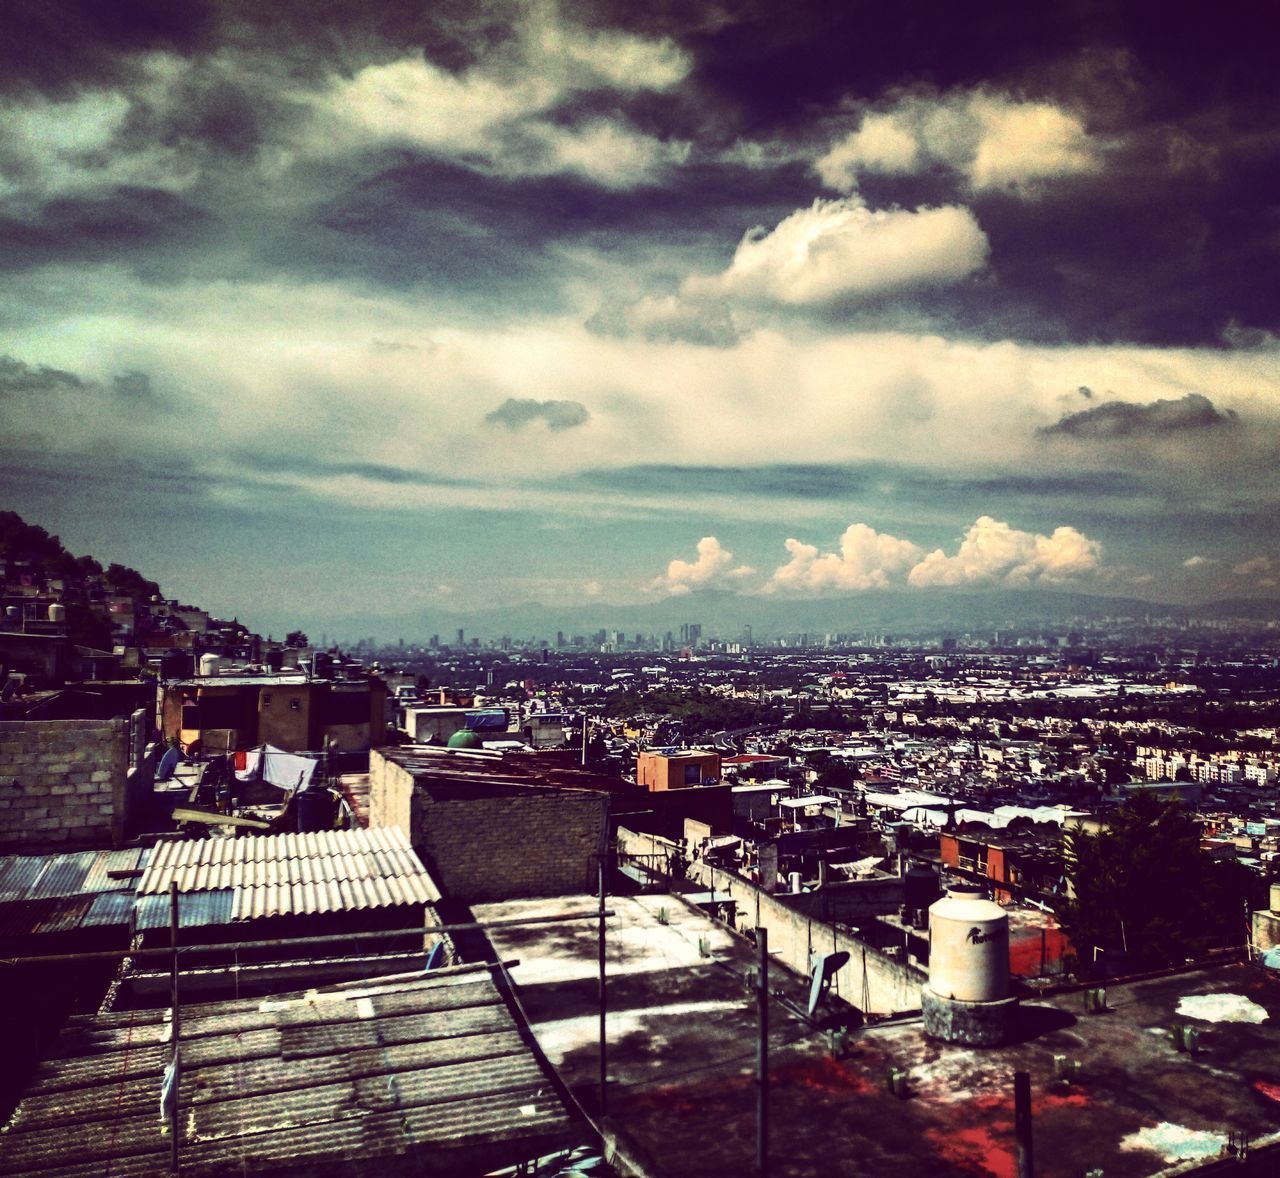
920,886
177,664
313,810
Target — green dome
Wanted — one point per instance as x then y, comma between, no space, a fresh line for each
464,738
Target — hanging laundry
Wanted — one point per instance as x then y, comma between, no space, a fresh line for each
279,768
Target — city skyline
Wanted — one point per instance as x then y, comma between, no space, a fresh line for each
456,308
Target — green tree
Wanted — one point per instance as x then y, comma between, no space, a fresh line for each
1142,885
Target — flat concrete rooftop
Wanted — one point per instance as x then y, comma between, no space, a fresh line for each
682,1032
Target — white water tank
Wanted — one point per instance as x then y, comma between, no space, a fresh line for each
1275,898
968,947
57,613
210,664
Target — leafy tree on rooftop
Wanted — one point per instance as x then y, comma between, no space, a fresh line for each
1142,886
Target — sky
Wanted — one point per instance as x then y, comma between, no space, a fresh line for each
318,309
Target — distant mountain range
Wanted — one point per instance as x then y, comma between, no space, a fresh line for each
726,615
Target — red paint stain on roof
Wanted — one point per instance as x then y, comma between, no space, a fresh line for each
1268,1089
824,1075
982,1149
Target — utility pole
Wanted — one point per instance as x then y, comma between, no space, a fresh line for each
604,1057
762,1055
175,1063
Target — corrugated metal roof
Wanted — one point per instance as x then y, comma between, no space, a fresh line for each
434,1077
18,873
130,859
292,874
37,877
57,893
109,908
63,875
195,910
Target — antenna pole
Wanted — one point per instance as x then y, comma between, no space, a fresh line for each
604,1057
762,1055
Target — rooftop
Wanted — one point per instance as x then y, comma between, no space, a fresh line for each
60,893
283,875
682,1033
410,1076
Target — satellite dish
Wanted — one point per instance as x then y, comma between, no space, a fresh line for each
823,971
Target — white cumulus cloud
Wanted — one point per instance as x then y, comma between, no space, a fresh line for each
993,553
866,559
840,249
502,116
714,566
992,140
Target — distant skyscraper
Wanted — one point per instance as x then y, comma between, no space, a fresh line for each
462,638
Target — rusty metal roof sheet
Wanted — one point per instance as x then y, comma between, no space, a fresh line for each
57,893
293,874
36,877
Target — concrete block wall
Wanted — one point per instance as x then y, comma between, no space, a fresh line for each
494,846
872,981
390,793
62,783
505,848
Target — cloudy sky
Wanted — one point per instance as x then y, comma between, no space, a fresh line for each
328,307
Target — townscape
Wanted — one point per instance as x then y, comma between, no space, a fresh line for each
534,907
608,590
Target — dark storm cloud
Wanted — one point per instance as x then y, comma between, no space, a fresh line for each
516,413
115,225
19,379
1124,419
310,467
131,389
61,46
1166,243
822,481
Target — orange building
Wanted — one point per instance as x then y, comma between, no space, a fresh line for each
682,770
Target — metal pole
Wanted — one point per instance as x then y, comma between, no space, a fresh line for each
584,740
174,1119
604,1059
1022,1123
762,1056
278,942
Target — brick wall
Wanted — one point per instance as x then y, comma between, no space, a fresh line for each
62,783
872,981
535,843
390,793
486,843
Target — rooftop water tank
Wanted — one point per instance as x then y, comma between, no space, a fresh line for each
1275,897
920,887
210,664
57,613
968,947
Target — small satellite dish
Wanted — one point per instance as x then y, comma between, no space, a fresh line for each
823,971
435,958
